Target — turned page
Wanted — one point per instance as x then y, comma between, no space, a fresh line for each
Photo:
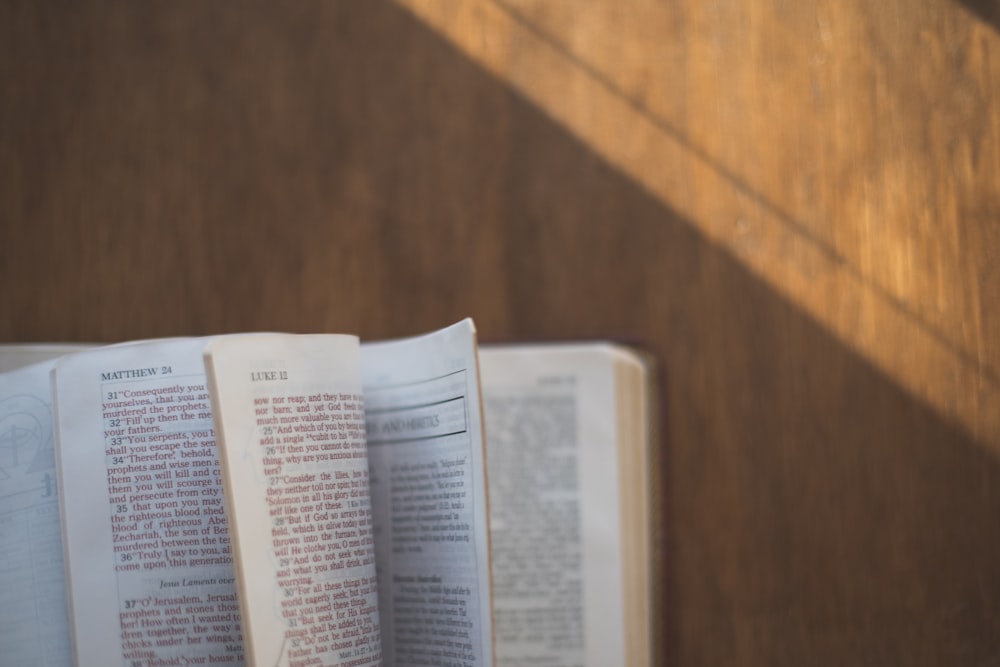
556,505
33,625
150,575
291,424
428,486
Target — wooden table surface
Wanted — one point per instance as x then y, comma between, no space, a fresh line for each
795,206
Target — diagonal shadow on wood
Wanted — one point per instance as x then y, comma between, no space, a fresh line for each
337,166
987,10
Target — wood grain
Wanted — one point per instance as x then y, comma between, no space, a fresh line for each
866,211
793,206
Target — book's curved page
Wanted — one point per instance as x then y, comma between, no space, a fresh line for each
18,355
568,507
291,433
34,629
429,499
149,569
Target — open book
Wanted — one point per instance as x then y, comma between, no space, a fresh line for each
346,520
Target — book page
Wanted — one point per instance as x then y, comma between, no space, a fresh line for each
149,571
33,626
554,503
428,487
18,355
291,423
